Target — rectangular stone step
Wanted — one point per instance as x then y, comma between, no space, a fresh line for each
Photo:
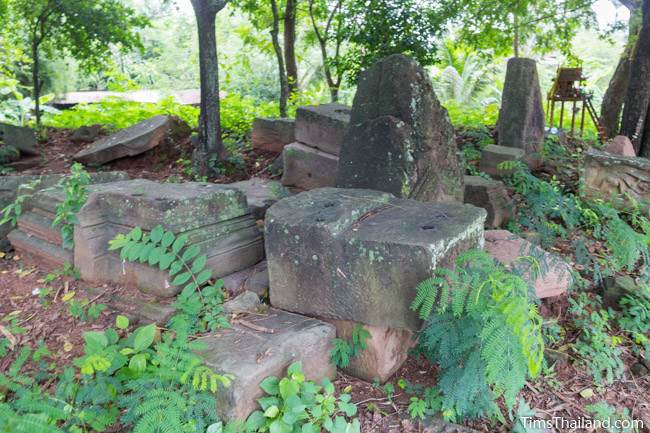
45,254
40,226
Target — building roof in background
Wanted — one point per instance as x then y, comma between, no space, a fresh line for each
184,97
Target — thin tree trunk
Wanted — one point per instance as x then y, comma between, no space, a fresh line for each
209,149
322,42
290,44
515,41
284,84
637,100
36,91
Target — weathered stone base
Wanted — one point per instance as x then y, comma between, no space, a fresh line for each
386,351
494,155
262,346
358,255
215,218
307,168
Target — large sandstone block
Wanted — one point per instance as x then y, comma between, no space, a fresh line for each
261,194
23,139
272,135
400,139
613,177
494,155
620,145
131,141
521,117
492,196
507,248
215,217
357,255
265,346
308,168
322,126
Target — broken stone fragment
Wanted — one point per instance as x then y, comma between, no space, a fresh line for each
322,126
620,145
216,218
507,248
386,350
272,135
246,302
614,177
307,168
492,196
521,117
261,194
261,346
131,141
358,255
400,138
494,155
19,137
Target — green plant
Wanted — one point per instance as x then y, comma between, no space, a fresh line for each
14,210
485,334
343,351
197,310
9,328
599,351
75,189
634,317
85,310
612,420
293,404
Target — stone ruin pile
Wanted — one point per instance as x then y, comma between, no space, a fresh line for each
336,257
311,162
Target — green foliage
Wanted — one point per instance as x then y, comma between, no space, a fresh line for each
14,210
75,195
599,351
84,310
472,116
293,404
608,415
485,334
553,213
11,328
342,350
634,317
197,310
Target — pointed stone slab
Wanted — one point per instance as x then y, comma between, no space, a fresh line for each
128,142
215,217
265,346
358,255
521,117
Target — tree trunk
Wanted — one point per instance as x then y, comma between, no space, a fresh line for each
612,105
290,44
284,84
637,100
209,149
36,82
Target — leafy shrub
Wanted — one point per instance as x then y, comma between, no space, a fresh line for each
599,351
293,404
483,331
14,210
634,317
342,350
75,195
197,310
472,116
606,414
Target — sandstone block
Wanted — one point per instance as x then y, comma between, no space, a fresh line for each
494,155
131,141
23,139
620,145
506,248
215,218
251,355
612,177
386,351
272,135
400,138
261,194
322,126
521,117
308,168
492,196
357,255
